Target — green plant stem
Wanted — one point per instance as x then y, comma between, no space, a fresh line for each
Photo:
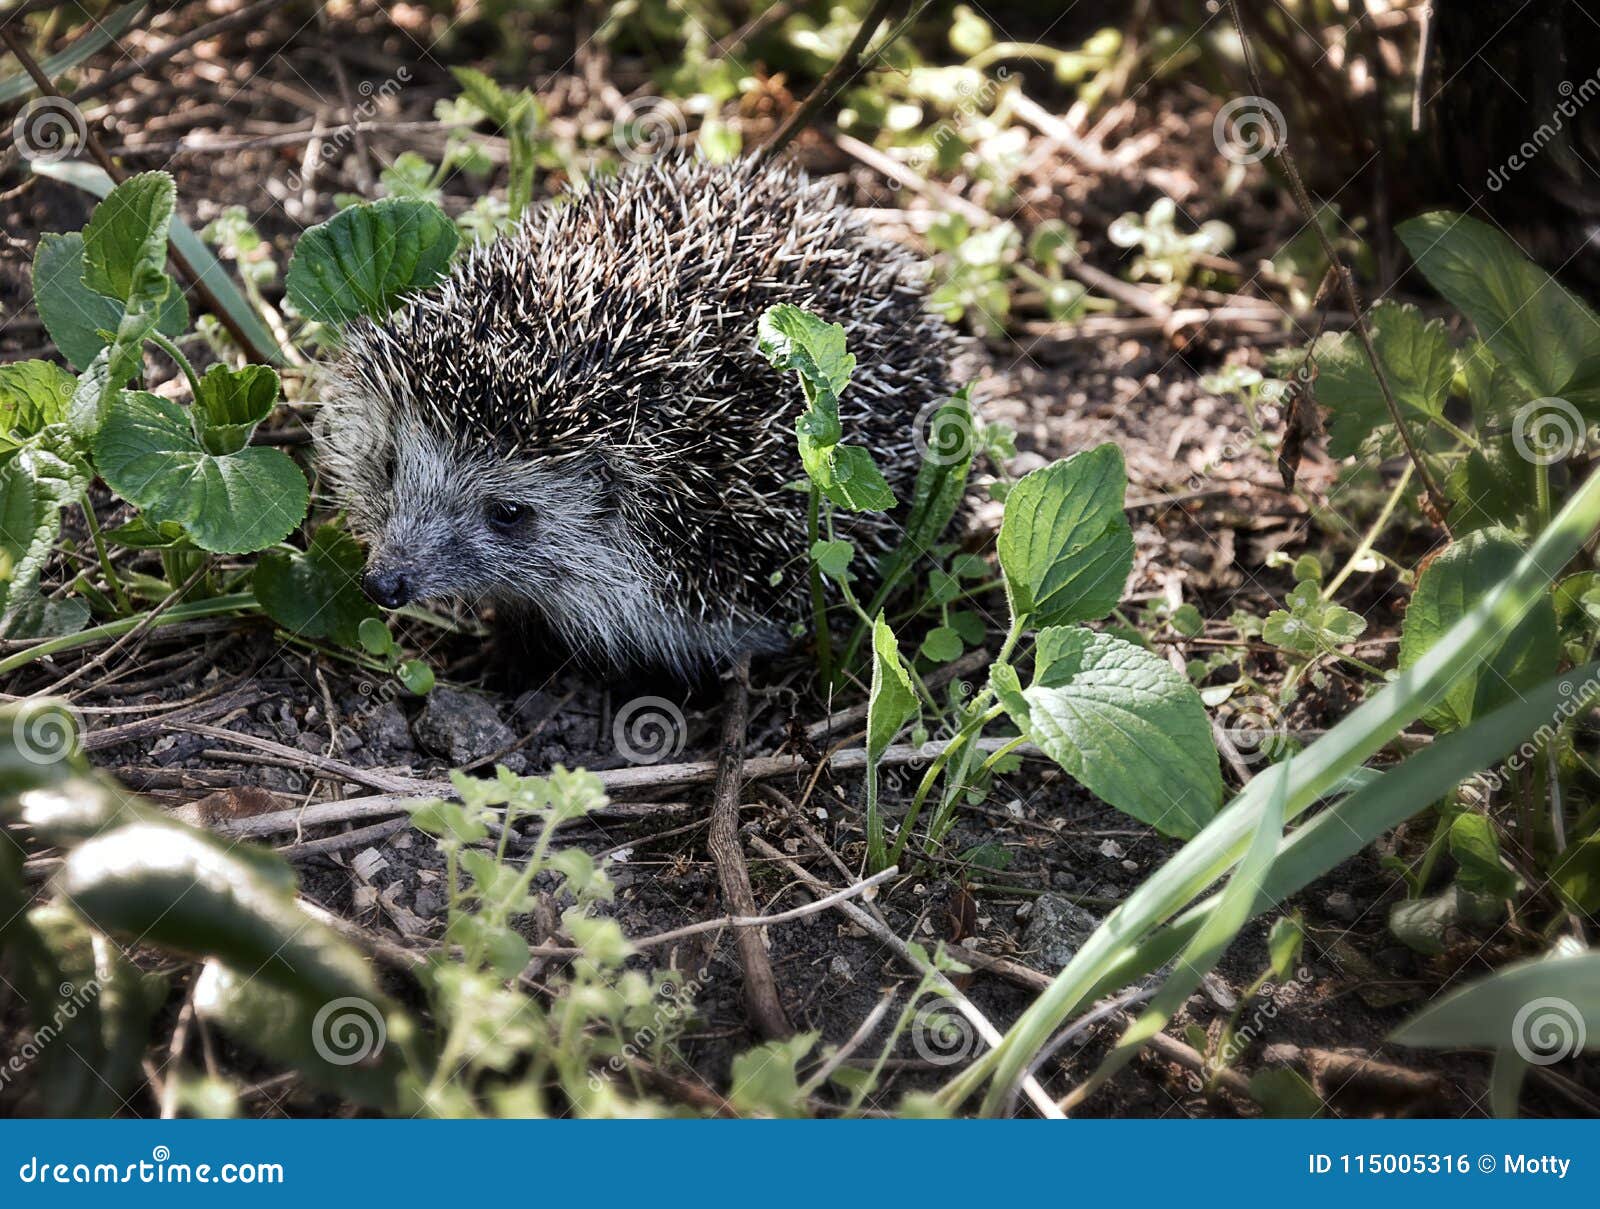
242,602
1374,531
975,724
819,603
1541,489
113,581
172,350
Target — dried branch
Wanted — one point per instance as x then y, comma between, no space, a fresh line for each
760,987
1346,278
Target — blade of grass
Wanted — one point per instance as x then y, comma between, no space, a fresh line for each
20,83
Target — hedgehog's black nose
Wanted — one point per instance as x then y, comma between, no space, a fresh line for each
391,589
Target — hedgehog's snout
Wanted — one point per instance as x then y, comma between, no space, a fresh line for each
388,586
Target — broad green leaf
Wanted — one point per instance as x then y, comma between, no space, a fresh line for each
92,179
1283,1092
942,644
34,487
833,558
1065,544
1476,851
364,260
76,316
892,701
1125,725
190,892
1547,1008
764,1082
231,403
350,1046
1311,625
125,243
32,395
147,452
1537,327
1452,586
793,339
855,482
1417,361
316,594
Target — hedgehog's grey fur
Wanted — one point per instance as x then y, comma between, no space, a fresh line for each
599,367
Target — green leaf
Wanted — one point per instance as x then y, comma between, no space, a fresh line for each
1479,866
1417,360
855,482
1311,625
125,243
764,1082
1284,943
181,889
1577,872
941,483
352,1046
1547,1008
375,638
34,486
92,179
793,339
1283,1092
1211,939
1536,326
73,314
317,594
1451,587
1065,545
241,502
1123,724
942,644
892,701
416,676
833,558
364,260
231,403
32,395
100,33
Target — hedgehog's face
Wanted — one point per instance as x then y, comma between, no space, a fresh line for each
442,522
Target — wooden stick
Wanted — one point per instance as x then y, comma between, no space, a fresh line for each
882,932
1346,280
838,77
760,987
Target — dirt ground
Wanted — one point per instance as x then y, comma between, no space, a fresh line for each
1208,507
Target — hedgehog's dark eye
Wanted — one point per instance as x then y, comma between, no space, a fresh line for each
506,515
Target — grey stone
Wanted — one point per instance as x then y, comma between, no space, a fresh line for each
1341,906
460,727
1057,928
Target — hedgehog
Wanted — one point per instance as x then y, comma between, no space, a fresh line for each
576,426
